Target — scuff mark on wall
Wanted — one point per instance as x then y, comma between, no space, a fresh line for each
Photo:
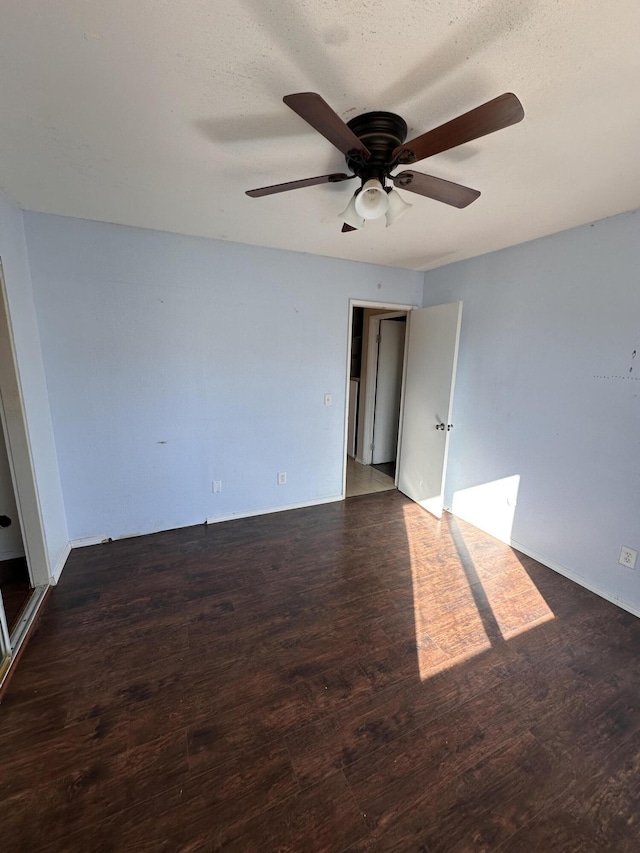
628,376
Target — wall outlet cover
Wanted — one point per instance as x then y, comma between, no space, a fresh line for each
628,557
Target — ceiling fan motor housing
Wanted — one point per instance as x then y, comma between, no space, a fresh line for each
382,133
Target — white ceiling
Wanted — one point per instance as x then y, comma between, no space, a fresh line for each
161,113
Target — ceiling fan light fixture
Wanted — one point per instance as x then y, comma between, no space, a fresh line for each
350,214
397,207
372,201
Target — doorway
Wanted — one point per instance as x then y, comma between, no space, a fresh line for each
15,583
417,435
24,571
377,346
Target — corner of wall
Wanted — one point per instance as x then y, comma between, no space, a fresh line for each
56,570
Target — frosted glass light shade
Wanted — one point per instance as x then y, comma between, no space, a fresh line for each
372,201
397,206
350,216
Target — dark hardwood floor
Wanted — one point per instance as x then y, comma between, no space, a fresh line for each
16,588
350,677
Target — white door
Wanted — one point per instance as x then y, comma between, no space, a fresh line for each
432,355
388,390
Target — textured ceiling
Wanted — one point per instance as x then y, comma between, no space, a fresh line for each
161,113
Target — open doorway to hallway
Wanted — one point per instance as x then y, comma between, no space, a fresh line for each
375,390
15,583
365,479
24,559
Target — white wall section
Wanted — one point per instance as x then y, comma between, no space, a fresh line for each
173,361
548,391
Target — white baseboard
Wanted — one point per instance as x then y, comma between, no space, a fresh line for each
251,513
572,576
59,566
88,540
12,555
98,540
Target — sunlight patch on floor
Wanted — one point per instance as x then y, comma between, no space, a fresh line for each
465,600
441,594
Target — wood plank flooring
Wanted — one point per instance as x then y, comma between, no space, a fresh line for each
350,677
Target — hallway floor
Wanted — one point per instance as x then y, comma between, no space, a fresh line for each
365,479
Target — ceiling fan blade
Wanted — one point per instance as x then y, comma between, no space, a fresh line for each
446,191
502,111
346,228
317,112
295,185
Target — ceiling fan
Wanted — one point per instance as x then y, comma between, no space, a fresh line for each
374,145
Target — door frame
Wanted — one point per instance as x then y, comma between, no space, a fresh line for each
393,307
16,434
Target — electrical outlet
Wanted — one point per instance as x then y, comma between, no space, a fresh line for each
217,486
282,478
328,400
627,557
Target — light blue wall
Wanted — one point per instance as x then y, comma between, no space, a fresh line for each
173,361
547,389
13,251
